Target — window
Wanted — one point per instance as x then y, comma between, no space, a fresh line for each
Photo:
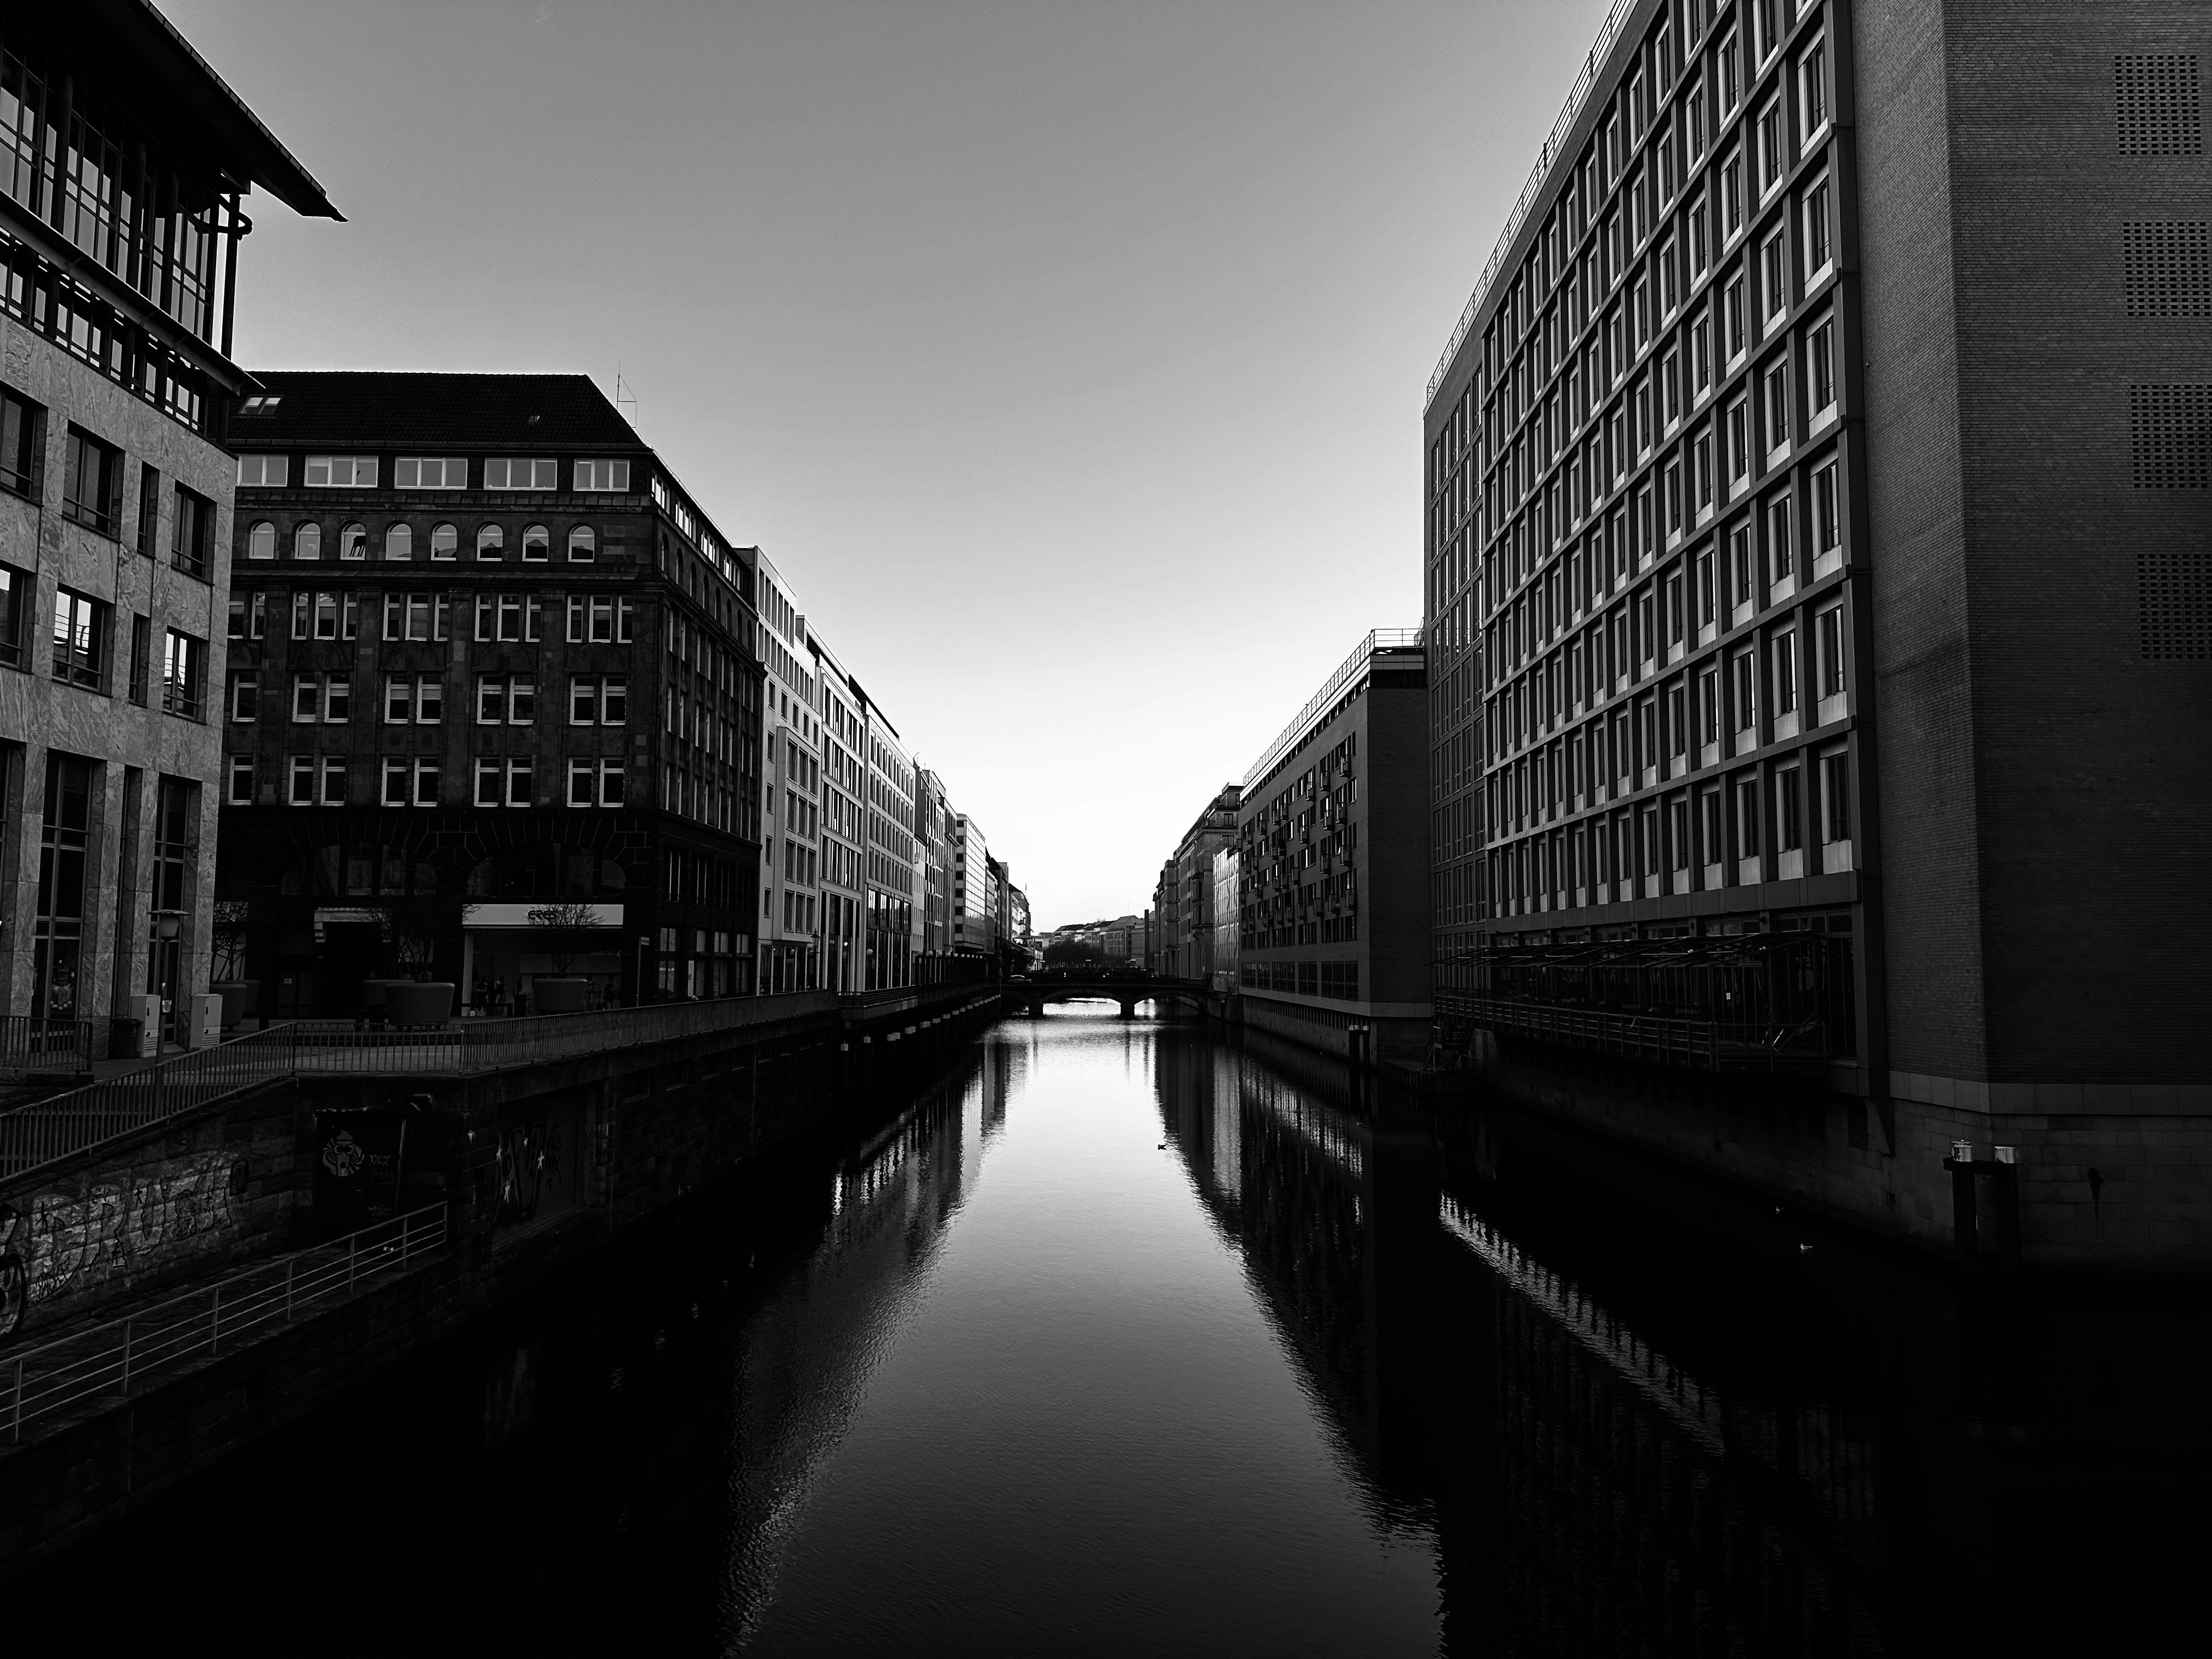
419,699
194,534
508,618
324,616
301,771
1819,233
1827,526
430,472
1836,797
261,541
398,545
491,542
79,639
1701,353
1739,443
1774,276
1779,551
583,545
603,475
412,616
333,768
1820,365
536,544
503,783
1744,690
92,481
489,776
613,779
396,792
592,618
141,657
1813,88
1746,818
1730,60
1785,673
1701,240
1828,631
339,473
149,511
324,698
353,541
445,542
1739,564
1773,154
1670,386
1732,192
22,444
1777,387
308,541
1788,814
244,696
1733,309
240,772
598,699
249,615
264,471
184,675
503,472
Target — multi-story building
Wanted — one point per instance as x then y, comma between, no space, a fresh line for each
1333,850
1018,925
1223,975
973,921
486,657
933,829
1190,953
123,163
844,834
790,949
1816,575
895,862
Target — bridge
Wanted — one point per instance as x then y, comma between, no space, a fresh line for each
1031,994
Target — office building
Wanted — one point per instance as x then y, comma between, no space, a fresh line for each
975,923
1816,579
486,657
124,166
790,948
1333,854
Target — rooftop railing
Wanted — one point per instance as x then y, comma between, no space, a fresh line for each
1381,639
1576,97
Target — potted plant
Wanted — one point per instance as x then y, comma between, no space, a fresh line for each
420,924
240,995
562,931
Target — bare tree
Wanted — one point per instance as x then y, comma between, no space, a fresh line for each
564,931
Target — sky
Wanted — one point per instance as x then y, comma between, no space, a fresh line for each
1067,359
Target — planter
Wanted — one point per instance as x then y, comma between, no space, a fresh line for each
409,1003
559,996
240,997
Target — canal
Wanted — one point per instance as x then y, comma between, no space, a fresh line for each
1126,1339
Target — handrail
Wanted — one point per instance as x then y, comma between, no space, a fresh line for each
1577,95
1378,639
114,1358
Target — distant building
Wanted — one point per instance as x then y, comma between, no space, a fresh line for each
1223,974
1332,848
125,162
1192,953
975,929
790,948
934,821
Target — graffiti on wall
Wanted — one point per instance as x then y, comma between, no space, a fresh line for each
529,1171
59,1244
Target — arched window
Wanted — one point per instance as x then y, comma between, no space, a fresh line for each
445,542
583,545
353,541
536,544
399,544
491,542
261,541
308,542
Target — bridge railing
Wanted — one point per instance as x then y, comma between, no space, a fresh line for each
123,1356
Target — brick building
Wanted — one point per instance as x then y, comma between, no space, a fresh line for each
485,656
1817,577
124,160
1332,853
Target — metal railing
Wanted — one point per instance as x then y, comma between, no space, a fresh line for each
70,1122
1385,639
1661,1039
1577,95
28,1043
110,1360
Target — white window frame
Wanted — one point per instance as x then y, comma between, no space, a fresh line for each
540,472
264,471
415,472
239,771
604,476
322,472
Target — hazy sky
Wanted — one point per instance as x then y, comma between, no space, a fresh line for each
1067,359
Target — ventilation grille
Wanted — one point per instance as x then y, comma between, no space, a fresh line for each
2158,104
2172,429
2173,596
2168,268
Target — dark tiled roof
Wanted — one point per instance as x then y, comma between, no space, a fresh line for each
468,411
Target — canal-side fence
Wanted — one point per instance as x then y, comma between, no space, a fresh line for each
112,1360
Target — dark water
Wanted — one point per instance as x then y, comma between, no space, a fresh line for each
1126,1342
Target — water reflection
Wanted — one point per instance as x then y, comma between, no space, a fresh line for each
1127,1339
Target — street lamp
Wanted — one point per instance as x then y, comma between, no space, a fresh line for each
165,924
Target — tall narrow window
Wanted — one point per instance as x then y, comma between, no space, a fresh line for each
491,542
261,541
308,541
65,841
79,639
1820,366
92,479
583,545
445,542
191,542
1820,232
353,541
1813,89
22,444
1781,556
142,656
399,544
536,544
149,511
